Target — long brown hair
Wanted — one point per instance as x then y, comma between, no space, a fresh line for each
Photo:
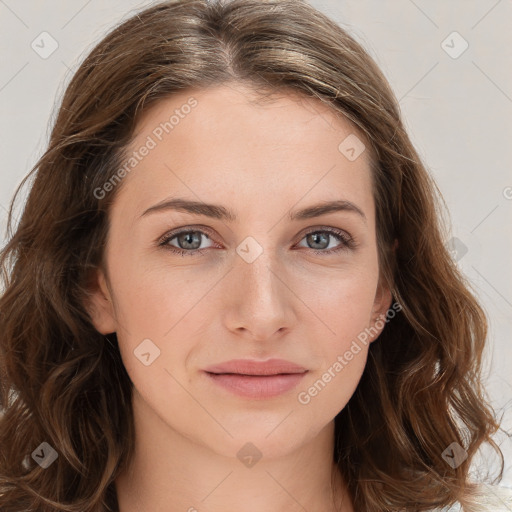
63,383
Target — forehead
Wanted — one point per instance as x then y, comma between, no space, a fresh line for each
229,142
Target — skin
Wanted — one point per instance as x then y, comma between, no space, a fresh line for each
261,160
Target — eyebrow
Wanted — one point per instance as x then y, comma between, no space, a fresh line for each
220,212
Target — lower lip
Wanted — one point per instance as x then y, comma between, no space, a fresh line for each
257,387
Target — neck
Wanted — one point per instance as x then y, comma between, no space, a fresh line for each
170,472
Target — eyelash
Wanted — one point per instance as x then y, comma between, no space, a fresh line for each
347,242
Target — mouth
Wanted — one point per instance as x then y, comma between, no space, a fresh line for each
255,374
252,367
257,380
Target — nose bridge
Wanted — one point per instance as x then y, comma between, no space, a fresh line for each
257,269
259,300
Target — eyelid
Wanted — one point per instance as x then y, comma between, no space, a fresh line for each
329,229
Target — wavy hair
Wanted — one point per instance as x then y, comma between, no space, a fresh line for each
64,383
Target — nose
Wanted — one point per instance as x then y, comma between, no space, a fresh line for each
259,301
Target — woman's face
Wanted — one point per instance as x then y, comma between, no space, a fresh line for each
250,271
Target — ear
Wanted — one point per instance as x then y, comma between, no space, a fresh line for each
99,303
381,304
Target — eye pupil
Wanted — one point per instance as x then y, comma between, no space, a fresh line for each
316,236
191,237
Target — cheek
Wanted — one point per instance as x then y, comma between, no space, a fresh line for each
152,301
342,301
342,308
161,315
340,347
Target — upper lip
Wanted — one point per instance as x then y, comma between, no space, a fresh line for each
253,367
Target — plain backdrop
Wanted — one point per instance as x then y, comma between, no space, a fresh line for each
449,64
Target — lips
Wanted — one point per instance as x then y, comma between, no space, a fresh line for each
253,367
256,380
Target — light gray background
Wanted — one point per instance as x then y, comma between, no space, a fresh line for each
457,111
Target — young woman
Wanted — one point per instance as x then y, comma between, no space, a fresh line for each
229,290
